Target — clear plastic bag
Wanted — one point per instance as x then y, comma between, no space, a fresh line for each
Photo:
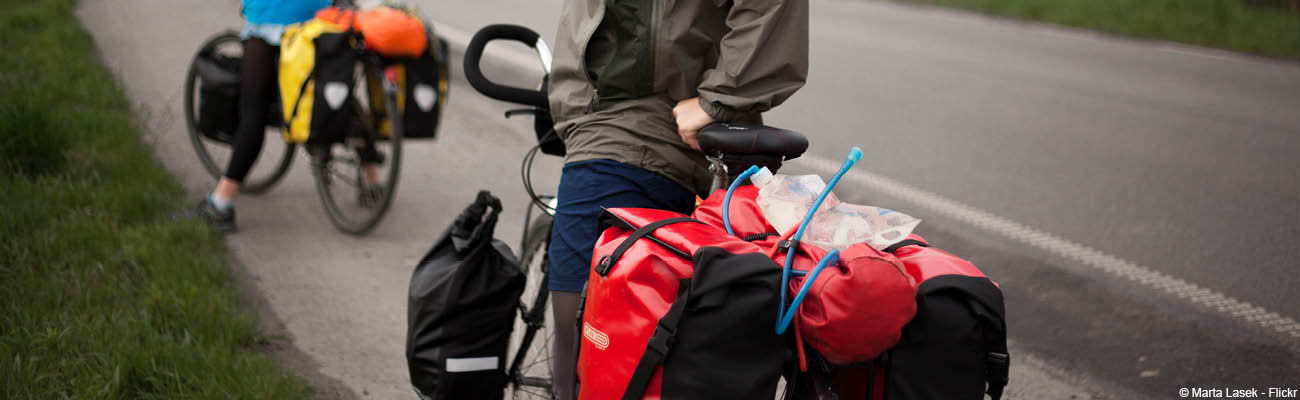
785,200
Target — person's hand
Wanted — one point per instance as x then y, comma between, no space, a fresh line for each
690,119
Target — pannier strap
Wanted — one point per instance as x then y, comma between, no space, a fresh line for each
288,121
603,266
660,341
906,242
707,278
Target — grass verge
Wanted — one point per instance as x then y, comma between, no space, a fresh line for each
102,294
1225,24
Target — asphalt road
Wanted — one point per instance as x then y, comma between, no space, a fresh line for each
1179,160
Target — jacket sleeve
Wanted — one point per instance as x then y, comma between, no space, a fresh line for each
762,59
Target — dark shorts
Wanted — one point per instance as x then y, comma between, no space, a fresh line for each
585,187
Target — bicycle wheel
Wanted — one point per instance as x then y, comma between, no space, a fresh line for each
355,206
214,153
530,345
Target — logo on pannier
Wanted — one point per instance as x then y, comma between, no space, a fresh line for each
596,337
424,97
335,93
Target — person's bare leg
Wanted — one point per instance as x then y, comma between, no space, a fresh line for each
256,91
227,189
370,173
371,160
564,364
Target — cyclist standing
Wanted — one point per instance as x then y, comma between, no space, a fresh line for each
264,25
633,82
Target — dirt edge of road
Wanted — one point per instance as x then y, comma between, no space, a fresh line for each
279,344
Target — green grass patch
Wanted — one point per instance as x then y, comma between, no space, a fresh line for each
102,293
1226,24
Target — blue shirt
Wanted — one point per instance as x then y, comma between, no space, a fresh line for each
281,11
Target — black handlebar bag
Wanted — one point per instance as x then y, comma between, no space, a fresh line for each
461,309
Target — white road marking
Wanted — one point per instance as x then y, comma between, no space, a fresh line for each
1186,50
454,36
514,55
1239,310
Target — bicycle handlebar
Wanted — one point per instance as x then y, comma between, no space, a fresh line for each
474,54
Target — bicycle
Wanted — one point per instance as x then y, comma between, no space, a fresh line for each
337,166
529,369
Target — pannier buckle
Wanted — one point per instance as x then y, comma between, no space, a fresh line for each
602,267
999,359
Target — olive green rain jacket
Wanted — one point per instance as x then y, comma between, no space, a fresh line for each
620,67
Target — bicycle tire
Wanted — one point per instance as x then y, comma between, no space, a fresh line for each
324,173
255,183
530,378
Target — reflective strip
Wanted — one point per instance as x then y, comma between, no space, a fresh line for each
335,93
424,97
471,364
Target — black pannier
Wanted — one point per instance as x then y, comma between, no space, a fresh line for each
218,95
461,309
954,348
425,93
334,73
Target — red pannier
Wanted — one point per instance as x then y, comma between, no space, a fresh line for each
942,335
954,348
855,310
678,309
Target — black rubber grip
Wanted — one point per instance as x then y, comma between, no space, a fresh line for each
474,53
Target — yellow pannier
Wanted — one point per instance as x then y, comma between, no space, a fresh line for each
297,60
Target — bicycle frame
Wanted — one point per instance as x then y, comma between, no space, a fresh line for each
534,318
551,203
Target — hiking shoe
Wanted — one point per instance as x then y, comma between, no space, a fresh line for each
370,196
222,221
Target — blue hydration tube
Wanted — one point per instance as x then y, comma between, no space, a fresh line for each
781,313
726,201
785,320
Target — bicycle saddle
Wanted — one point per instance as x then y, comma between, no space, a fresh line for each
742,139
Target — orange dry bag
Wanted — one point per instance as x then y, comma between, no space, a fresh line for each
393,32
